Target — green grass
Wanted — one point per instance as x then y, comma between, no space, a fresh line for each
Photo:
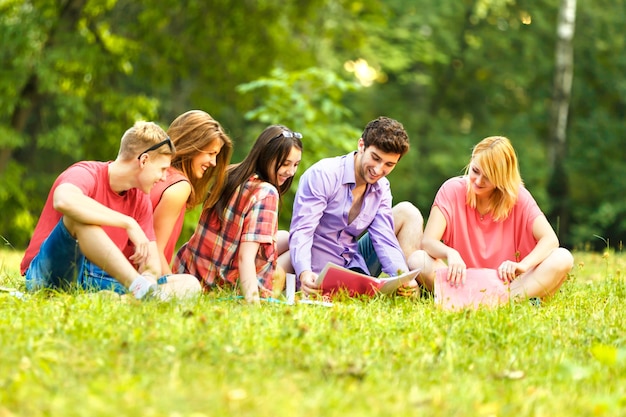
94,355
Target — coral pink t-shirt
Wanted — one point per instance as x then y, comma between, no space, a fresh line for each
485,243
93,179
173,176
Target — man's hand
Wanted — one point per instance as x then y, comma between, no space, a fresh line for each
141,242
307,282
408,289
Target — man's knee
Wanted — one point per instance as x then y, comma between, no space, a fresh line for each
75,228
406,213
417,259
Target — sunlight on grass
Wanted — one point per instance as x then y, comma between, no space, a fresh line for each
10,268
101,355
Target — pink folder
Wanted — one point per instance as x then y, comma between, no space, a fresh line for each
482,287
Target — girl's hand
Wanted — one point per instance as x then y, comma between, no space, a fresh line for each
508,270
457,270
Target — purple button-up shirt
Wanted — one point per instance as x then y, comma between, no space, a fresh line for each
320,232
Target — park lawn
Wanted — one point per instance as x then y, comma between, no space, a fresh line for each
99,355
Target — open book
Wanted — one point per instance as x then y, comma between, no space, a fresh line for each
482,287
334,278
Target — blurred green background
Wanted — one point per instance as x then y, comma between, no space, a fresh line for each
76,74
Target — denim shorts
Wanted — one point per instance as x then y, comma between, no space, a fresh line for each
57,263
94,278
61,265
366,249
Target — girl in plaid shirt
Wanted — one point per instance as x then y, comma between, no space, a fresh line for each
235,239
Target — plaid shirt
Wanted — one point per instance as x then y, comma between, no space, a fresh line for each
212,252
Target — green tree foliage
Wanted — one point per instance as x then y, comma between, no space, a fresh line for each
77,73
475,77
597,130
82,71
58,104
308,101
471,69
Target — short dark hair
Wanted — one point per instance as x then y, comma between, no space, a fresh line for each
386,134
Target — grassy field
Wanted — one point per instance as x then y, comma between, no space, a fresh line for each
96,355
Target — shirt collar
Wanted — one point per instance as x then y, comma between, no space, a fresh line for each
348,169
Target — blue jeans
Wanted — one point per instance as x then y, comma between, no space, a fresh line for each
57,263
61,265
366,249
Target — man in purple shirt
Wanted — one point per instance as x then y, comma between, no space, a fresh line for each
339,199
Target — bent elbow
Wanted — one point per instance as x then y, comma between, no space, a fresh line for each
61,199
59,204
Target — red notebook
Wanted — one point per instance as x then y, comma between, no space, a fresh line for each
482,287
334,278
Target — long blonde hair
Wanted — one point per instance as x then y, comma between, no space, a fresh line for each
497,159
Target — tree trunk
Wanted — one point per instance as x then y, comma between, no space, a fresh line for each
564,71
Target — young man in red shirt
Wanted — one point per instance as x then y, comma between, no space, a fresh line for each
94,211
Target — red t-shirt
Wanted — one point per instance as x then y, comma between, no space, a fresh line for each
485,243
173,176
93,179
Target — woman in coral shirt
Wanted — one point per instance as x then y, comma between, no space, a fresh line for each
488,219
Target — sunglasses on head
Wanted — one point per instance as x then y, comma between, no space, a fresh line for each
158,145
288,134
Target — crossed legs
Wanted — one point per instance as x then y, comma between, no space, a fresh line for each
96,246
542,281
546,278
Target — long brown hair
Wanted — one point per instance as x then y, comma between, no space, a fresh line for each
267,155
192,132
